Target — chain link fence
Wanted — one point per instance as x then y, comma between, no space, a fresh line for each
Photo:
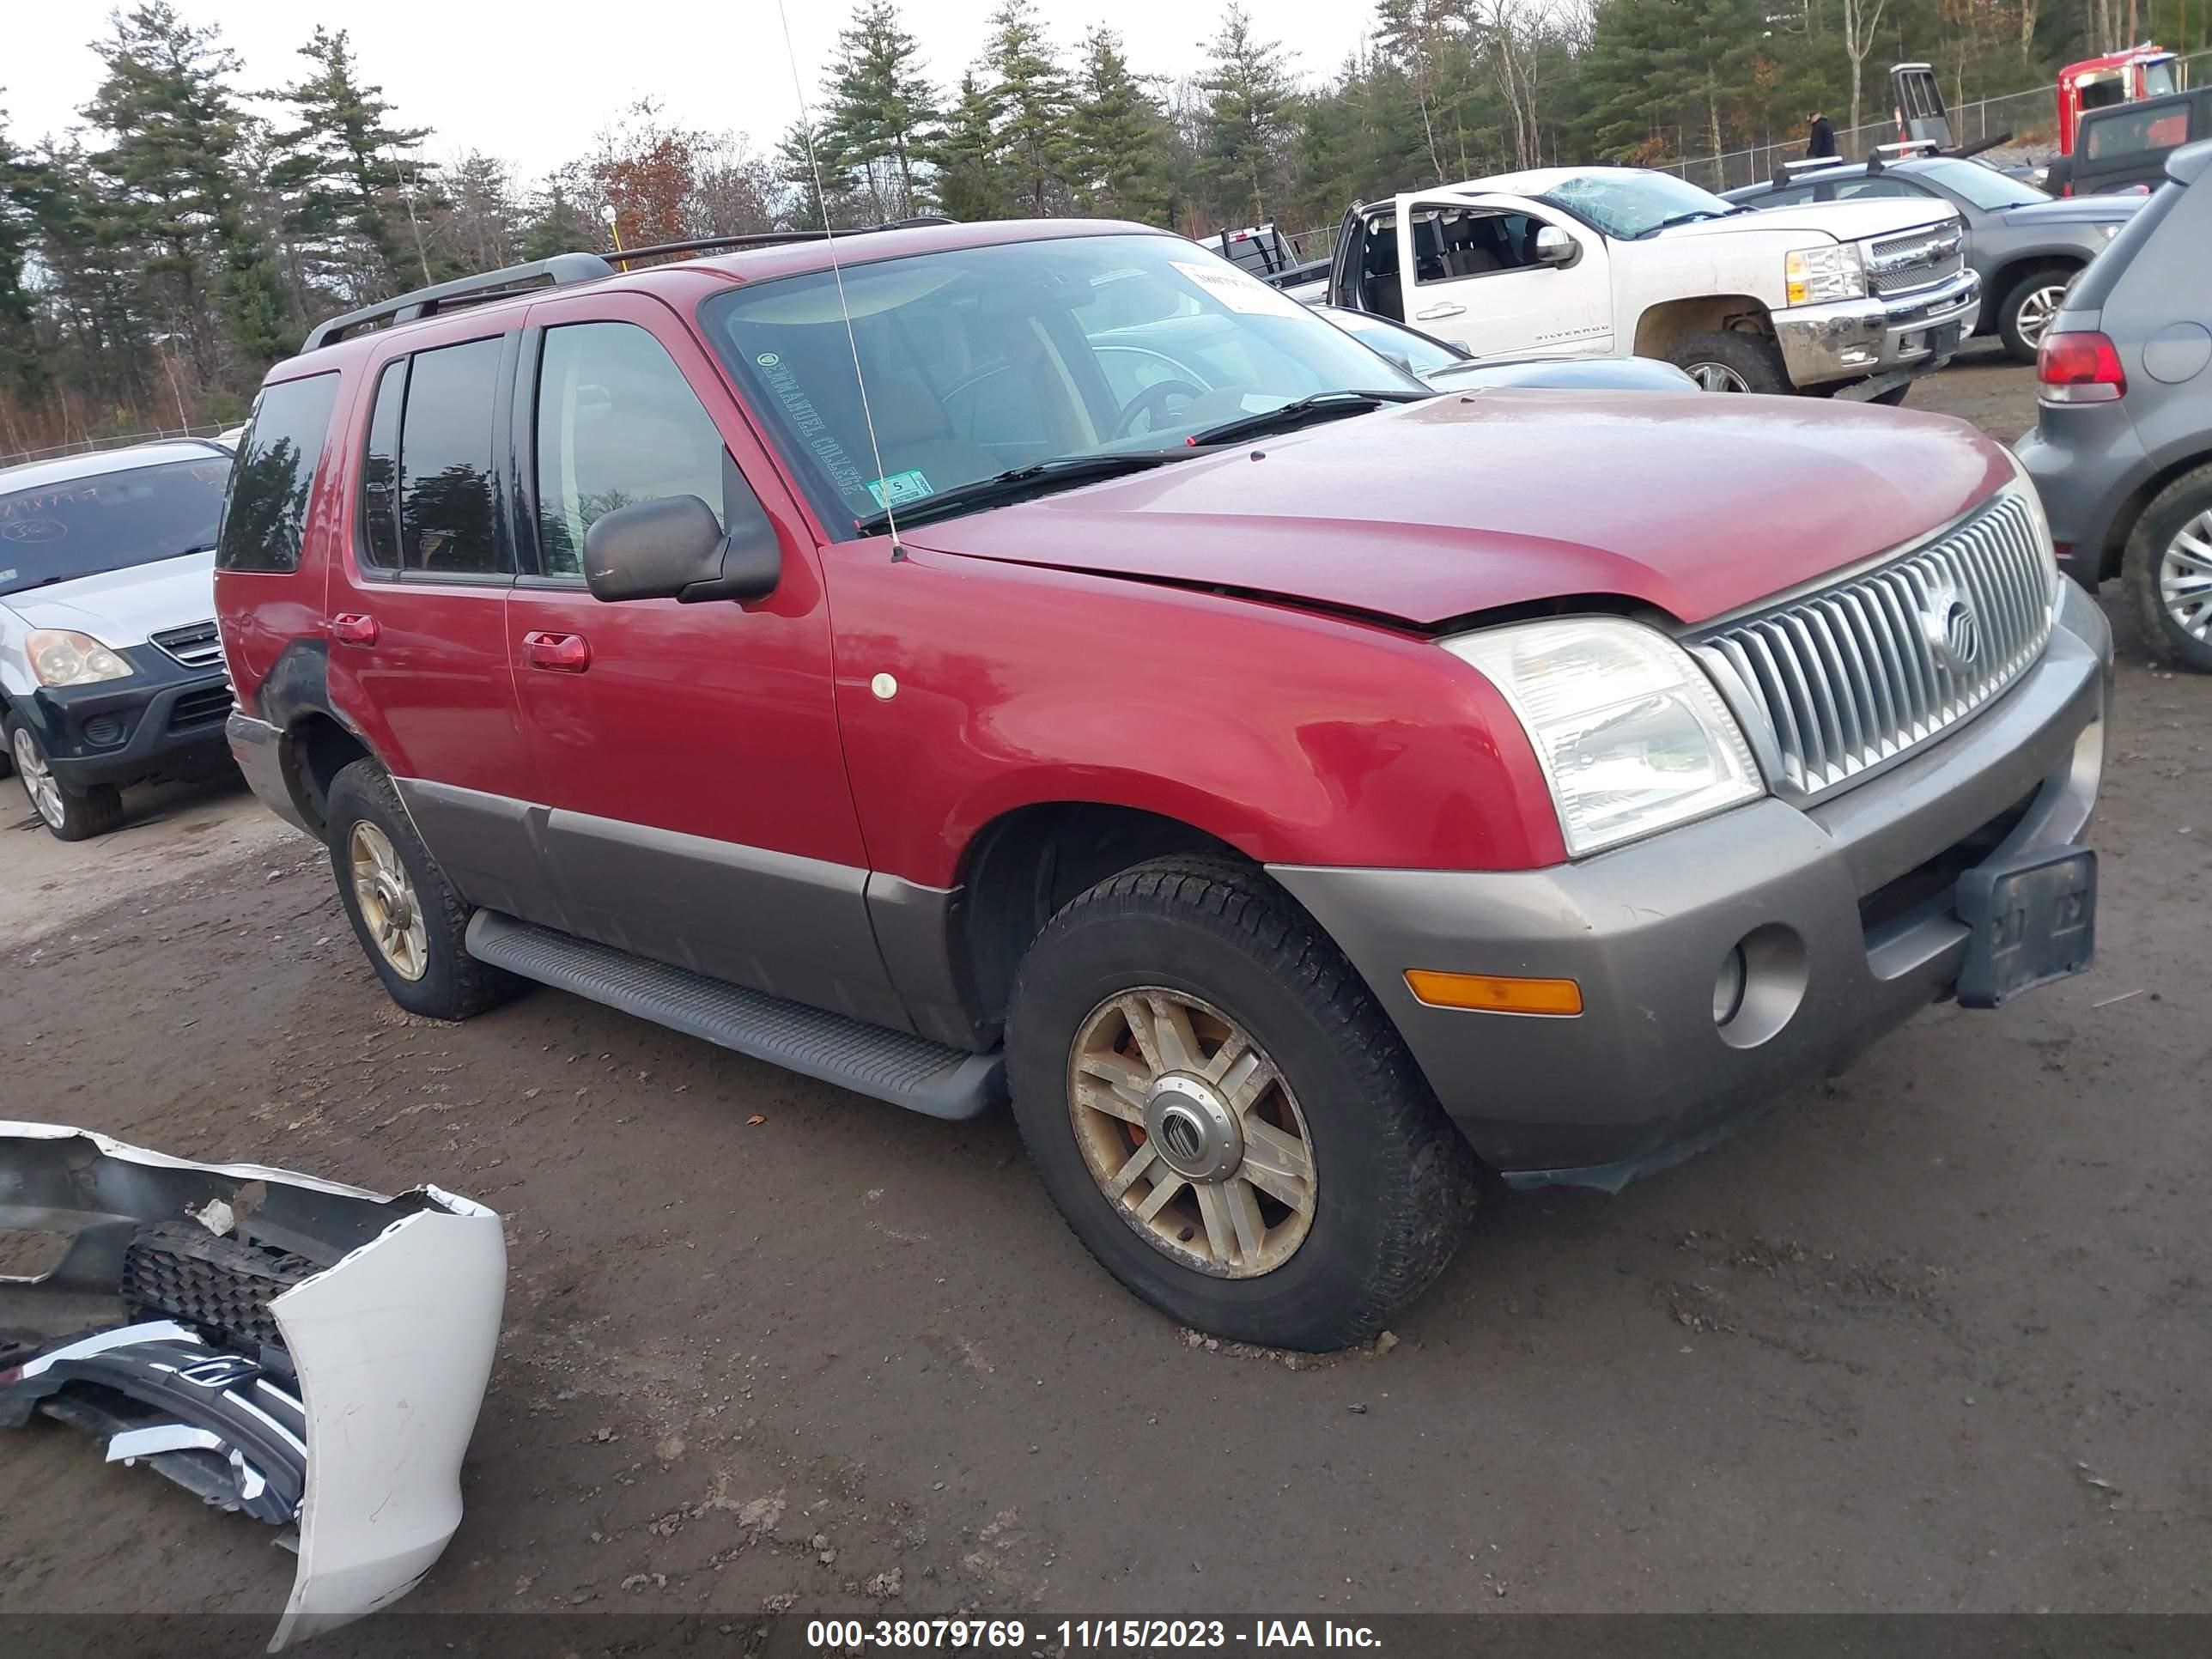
2031,117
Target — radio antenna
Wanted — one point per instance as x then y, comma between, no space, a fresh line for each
837,272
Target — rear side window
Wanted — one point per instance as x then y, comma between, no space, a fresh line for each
617,423
2136,132
380,472
447,526
267,509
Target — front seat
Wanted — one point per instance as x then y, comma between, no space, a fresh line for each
915,436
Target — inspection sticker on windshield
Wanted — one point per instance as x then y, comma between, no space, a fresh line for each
900,489
1235,290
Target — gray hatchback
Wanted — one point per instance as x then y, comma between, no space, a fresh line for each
2121,451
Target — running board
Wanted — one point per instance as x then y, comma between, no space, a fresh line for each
869,1059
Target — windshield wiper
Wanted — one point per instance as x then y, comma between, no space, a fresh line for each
1320,406
1036,479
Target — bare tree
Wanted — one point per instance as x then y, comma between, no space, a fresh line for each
1860,29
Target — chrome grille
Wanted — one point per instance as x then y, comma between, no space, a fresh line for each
199,646
1850,676
1898,265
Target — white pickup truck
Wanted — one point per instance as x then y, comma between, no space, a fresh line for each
1849,299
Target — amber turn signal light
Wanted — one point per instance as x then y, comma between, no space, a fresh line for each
1498,996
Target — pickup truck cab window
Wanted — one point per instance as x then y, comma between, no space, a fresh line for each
1452,243
1479,284
616,425
979,360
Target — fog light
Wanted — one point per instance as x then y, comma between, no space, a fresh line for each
1727,989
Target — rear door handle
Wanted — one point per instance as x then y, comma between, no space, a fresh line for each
1447,309
352,627
561,654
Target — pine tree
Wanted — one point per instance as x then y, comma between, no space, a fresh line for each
1251,101
557,223
1118,149
345,170
23,372
878,104
972,180
1033,100
175,131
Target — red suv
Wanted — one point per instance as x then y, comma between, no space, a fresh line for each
1040,659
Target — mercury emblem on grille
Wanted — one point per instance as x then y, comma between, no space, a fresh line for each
1952,630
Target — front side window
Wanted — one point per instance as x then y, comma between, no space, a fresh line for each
1874,188
110,521
1449,243
978,361
447,526
275,474
616,425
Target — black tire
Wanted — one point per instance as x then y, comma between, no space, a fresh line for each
2040,281
453,984
1396,1185
74,815
2188,498
1751,358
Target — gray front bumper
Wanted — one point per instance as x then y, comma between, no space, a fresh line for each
1848,338
1644,1074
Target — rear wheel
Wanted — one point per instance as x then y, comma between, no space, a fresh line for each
2024,314
1732,361
1223,1113
2167,572
410,920
68,814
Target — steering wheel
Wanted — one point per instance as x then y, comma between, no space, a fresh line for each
1153,401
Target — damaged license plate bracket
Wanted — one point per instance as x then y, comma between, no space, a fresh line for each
2031,920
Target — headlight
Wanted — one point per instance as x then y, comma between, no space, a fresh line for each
1631,733
61,657
1833,272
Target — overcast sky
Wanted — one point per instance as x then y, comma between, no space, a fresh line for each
532,83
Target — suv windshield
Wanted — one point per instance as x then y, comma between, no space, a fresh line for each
1980,186
109,521
978,361
1627,203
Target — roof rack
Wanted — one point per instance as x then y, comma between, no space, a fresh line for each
559,271
1787,173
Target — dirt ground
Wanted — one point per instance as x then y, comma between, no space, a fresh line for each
1932,1336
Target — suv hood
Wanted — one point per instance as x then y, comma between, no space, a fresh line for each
122,607
1847,221
1427,511
2077,210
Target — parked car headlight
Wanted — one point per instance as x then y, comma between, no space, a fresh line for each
1833,272
61,656
1631,733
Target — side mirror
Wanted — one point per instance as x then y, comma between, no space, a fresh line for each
1555,247
674,548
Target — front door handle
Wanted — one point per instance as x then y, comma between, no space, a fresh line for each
1446,309
561,654
353,627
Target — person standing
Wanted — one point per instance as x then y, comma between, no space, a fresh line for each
1823,140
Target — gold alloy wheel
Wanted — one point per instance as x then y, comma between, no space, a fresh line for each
388,900
1191,1133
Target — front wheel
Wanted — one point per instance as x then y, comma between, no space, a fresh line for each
410,920
68,814
1223,1114
2024,314
2166,572
1732,361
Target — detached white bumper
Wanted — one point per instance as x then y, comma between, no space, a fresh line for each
388,1329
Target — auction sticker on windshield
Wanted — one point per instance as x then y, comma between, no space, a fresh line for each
901,488
1238,291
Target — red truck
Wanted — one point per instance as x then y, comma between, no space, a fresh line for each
1041,659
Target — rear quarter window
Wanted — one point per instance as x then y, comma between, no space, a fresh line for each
267,509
